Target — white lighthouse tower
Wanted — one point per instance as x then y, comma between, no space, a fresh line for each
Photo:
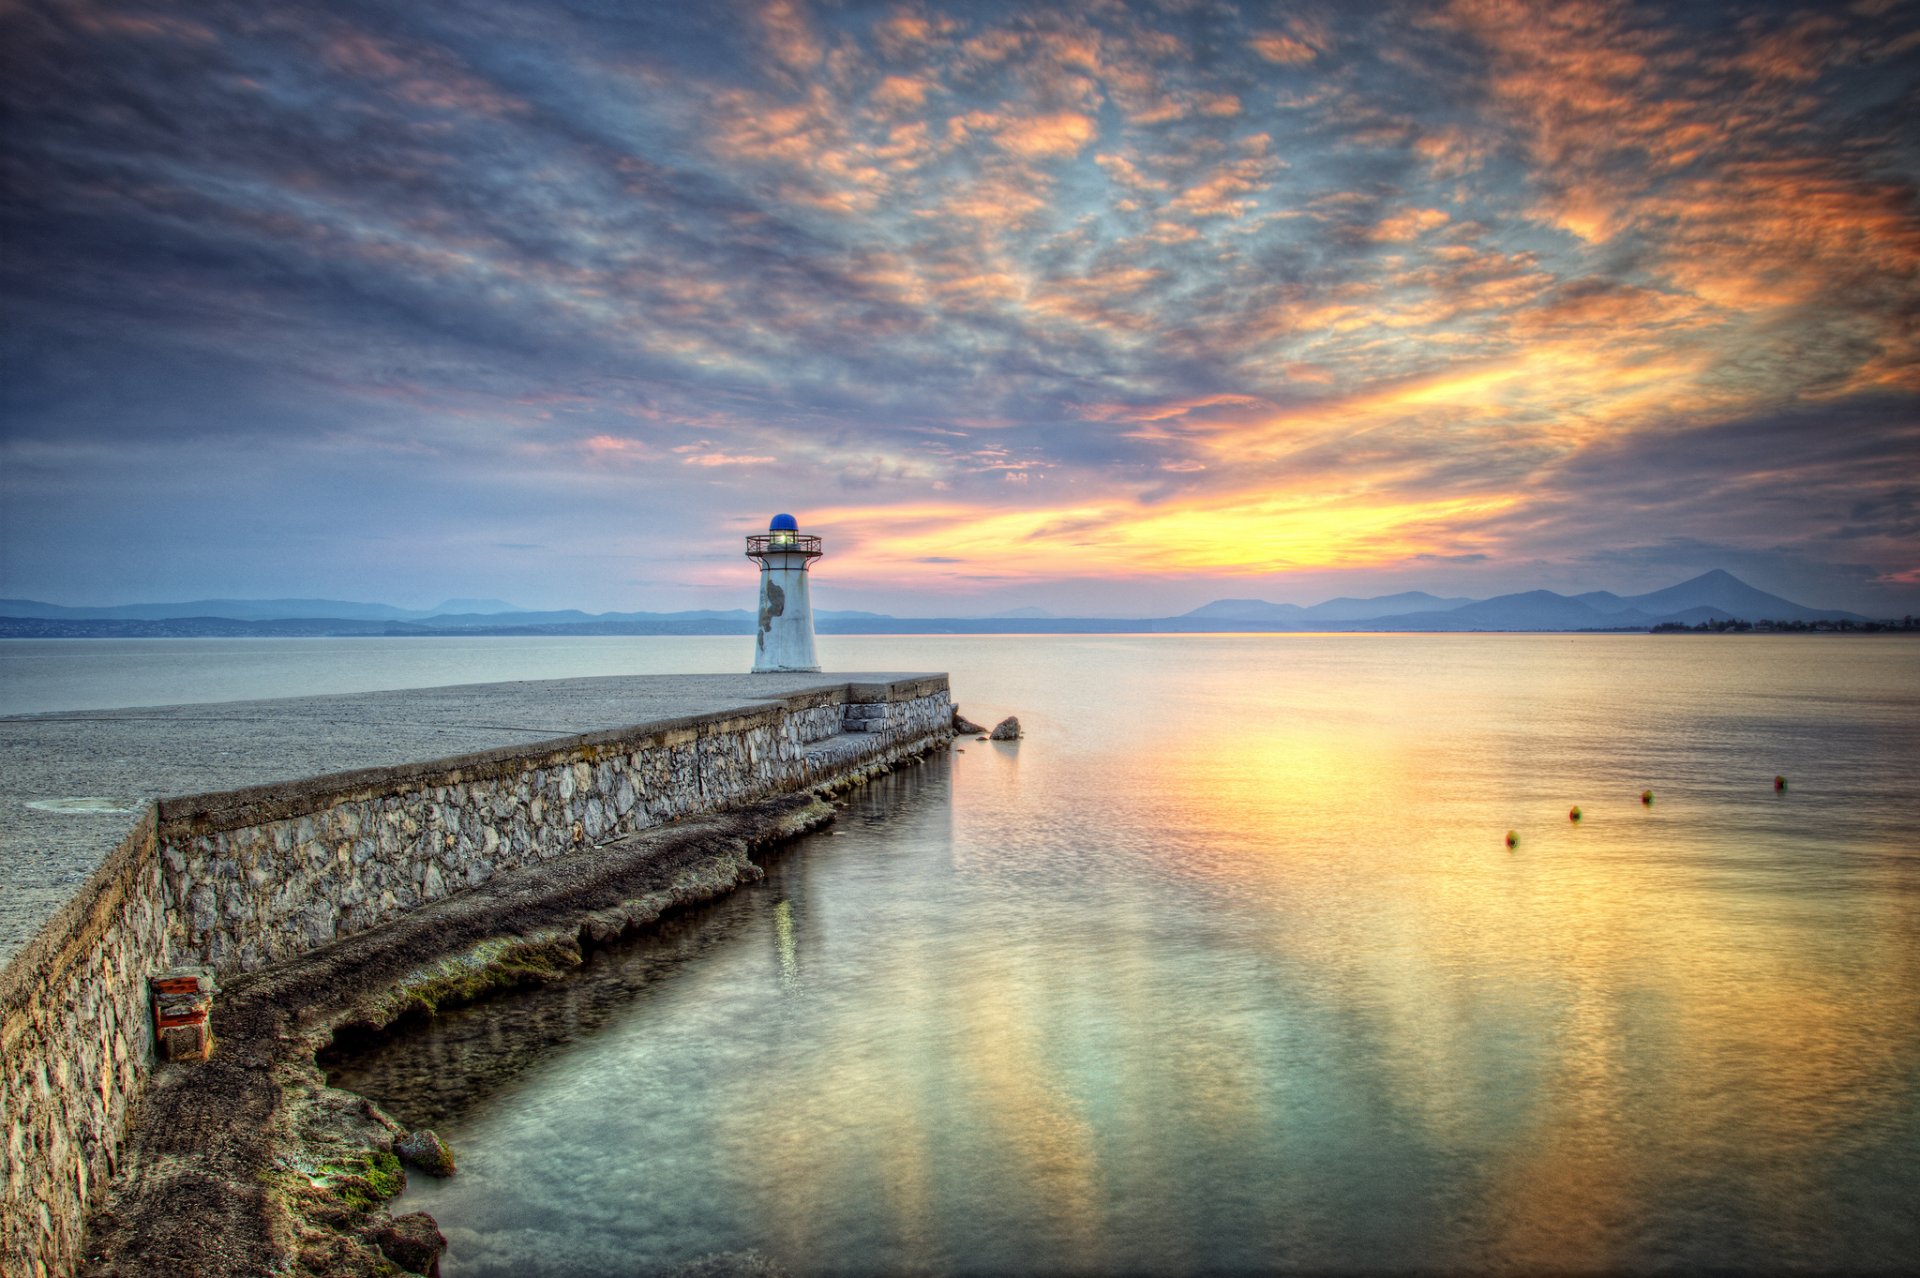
785,639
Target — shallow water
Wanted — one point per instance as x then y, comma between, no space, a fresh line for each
1227,967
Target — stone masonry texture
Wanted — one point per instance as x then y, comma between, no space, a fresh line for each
76,1047
238,878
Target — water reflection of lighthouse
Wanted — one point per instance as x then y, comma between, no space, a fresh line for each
785,638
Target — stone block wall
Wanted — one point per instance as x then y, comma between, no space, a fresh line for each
239,879
76,1049
255,876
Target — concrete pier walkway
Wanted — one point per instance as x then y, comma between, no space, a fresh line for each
71,784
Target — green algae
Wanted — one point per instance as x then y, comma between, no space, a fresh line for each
499,963
363,1182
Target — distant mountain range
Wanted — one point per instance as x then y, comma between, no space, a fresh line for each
1715,596
1712,596
1342,609
255,610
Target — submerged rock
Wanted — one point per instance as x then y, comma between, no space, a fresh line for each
413,1242
426,1151
1008,729
963,725
732,1264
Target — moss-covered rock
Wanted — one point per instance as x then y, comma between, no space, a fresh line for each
424,1149
413,1242
362,1183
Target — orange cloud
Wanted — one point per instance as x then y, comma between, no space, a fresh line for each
1408,225
907,32
901,92
1283,49
789,35
1001,199
1452,152
1228,190
1063,133
1122,170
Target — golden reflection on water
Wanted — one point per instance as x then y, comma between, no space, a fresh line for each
1628,971
1655,1009
1230,966
1028,1114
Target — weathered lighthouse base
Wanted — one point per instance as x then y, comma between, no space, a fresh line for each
317,823
783,641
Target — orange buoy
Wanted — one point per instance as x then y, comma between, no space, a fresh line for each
1512,838
1573,813
1646,797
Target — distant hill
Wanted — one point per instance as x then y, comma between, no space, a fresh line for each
1712,596
490,607
574,617
1341,609
231,609
16,627
1528,610
254,610
1244,610
1410,601
1717,589
1716,595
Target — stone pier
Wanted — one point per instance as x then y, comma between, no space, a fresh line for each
238,835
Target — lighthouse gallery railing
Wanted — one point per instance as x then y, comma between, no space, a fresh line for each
773,543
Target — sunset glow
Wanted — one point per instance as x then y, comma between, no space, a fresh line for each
1104,310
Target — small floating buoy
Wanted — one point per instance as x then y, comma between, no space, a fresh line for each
1512,838
1646,797
1779,783
1573,813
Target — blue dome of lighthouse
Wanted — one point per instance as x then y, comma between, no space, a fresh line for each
784,523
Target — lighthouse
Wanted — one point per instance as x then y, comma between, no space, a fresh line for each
785,638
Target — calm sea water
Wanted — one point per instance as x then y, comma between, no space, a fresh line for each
1227,967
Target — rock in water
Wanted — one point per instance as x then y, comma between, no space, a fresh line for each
1008,729
963,725
731,1264
426,1151
413,1242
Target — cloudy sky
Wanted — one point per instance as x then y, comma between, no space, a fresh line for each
1106,308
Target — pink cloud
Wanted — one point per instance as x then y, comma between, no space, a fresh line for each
727,459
